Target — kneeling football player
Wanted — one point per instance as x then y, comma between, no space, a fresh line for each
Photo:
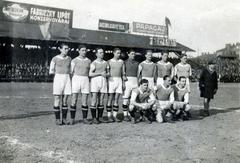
181,103
141,102
165,99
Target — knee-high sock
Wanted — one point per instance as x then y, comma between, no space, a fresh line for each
57,112
64,111
100,111
72,112
84,111
93,111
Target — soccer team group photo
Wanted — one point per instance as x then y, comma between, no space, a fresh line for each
140,81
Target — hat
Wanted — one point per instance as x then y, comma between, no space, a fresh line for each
211,62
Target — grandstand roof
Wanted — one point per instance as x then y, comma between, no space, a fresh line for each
94,37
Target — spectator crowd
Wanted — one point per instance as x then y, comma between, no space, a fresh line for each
18,63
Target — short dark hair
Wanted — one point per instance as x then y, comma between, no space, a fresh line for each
181,77
165,53
142,81
165,77
149,50
98,48
63,44
183,55
116,49
131,51
81,46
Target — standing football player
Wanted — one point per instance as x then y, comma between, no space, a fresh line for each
184,69
131,67
116,84
164,68
80,67
99,71
147,70
60,67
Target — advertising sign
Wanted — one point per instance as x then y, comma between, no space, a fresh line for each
161,41
28,13
149,29
113,26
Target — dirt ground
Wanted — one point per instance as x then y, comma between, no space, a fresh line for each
28,132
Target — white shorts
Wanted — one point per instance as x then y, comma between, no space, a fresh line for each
130,84
80,84
150,83
180,105
163,104
62,84
187,84
159,81
99,84
115,85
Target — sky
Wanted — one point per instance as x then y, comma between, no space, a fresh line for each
203,25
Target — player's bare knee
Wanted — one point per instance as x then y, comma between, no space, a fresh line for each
56,100
188,107
131,107
125,101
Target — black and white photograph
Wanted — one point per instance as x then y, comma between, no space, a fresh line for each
109,81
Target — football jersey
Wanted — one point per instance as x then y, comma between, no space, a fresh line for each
164,69
131,68
60,65
142,97
80,66
163,94
100,66
183,70
179,93
148,69
115,67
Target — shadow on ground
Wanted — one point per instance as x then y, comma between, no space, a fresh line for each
196,114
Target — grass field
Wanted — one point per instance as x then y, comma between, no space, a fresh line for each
28,133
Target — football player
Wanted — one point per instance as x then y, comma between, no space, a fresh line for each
131,67
147,70
184,69
60,67
80,67
116,84
99,71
